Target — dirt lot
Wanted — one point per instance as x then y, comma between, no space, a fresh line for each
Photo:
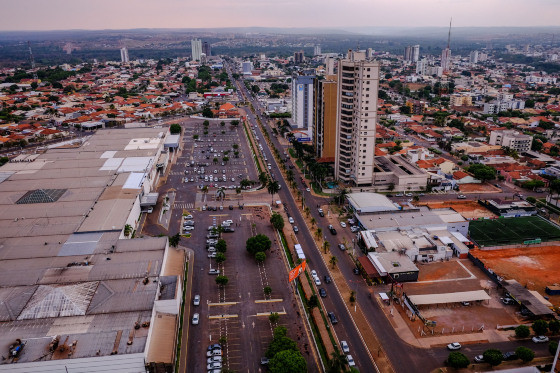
468,209
454,276
534,267
478,188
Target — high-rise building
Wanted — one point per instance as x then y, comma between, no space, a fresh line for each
324,118
446,60
124,55
206,49
412,53
299,57
196,49
329,66
473,57
247,67
358,83
317,50
302,101
369,53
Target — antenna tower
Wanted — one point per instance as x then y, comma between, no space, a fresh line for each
449,35
32,61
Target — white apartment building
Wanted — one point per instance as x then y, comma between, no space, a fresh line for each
446,60
358,83
196,49
473,57
497,106
512,139
124,55
302,101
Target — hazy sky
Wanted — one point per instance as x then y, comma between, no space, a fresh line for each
124,14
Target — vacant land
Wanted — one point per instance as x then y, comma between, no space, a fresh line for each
534,267
478,188
468,209
493,232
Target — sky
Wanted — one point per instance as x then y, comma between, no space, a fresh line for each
126,14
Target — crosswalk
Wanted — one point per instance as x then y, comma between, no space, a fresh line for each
183,205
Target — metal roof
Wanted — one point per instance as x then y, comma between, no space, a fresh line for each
463,296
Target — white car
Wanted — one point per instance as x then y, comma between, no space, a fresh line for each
214,365
196,300
188,217
351,362
291,220
540,339
212,254
214,359
343,224
345,347
313,273
214,271
188,228
195,319
454,346
229,221
308,189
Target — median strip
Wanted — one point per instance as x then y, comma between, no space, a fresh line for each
269,300
225,316
222,304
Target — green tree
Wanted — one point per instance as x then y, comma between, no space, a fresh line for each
522,331
533,184
222,280
525,354
540,327
221,246
457,360
263,178
260,256
267,290
313,302
174,240
554,326
337,363
287,361
273,187
493,357
552,347
257,243
333,261
277,221
207,112
281,343
531,199
326,246
220,257
273,317
175,128
482,172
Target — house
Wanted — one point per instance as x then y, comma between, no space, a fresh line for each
226,111
462,177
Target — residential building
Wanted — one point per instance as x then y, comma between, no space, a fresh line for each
446,60
412,53
206,49
324,118
317,50
196,49
460,100
124,55
358,83
497,106
473,57
329,66
302,101
512,139
299,57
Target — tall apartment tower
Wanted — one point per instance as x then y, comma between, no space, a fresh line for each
317,50
412,53
196,49
329,65
206,49
446,60
473,57
302,101
358,83
324,118
408,53
299,57
124,55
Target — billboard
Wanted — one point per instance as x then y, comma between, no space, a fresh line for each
294,273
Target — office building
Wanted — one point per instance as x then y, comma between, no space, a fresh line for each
317,50
512,139
196,49
124,55
324,118
302,101
206,49
412,53
299,57
74,280
358,83
473,57
247,67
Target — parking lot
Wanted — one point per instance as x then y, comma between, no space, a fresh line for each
237,314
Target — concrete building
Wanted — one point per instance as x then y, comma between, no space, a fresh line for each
124,55
196,49
358,83
317,50
412,53
460,100
511,139
329,66
247,67
473,57
324,118
206,49
299,57
302,101
70,270
497,106
394,172
446,60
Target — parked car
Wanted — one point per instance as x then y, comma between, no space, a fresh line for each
356,271
214,271
479,359
341,246
291,220
540,339
332,317
212,254
188,228
399,195
507,301
322,293
215,346
351,362
195,319
188,217
317,280
510,355
454,346
214,365
196,300
296,229
327,279
461,196
214,359
321,213
344,347
343,224
264,361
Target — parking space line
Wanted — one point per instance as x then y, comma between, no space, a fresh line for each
223,316
270,313
222,304
268,300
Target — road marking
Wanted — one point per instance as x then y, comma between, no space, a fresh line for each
269,300
270,313
222,304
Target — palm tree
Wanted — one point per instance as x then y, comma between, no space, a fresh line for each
341,196
337,363
313,221
205,189
273,188
333,261
221,194
319,233
263,178
326,246
307,211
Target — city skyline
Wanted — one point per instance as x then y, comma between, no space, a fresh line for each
104,14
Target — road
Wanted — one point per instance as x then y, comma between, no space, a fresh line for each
404,357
